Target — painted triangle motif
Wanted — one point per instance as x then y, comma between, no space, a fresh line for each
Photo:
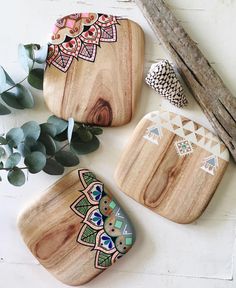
213,143
180,132
187,132
199,137
190,126
216,149
222,148
177,121
175,127
192,137
201,131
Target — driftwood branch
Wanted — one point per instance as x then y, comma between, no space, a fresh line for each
215,99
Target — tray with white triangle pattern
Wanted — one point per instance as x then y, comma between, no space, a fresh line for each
172,166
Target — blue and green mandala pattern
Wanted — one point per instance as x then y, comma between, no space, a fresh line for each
106,228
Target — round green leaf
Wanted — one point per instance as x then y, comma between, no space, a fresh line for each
13,160
67,158
49,144
2,80
61,137
31,129
16,177
25,57
24,96
14,137
49,128
12,100
84,134
38,146
52,167
81,147
35,78
4,110
35,162
23,149
41,54
60,124
3,141
2,152
8,78
96,130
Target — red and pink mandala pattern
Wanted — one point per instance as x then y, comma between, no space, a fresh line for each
79,36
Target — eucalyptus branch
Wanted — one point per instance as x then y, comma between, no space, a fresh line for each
15,85
37,145
22,98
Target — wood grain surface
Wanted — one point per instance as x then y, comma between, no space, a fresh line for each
103,92
214,97
76,229
171,185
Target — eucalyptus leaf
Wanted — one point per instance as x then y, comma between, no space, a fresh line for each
52,167
70,129
67,158
84,134
23,149
2,152
49,128
25,57
8,78
49,144
12,100
35,162
38,146
2,80
13,160
35,78
82,148
96,130
16,177
60,124
25,96
31,129
14,137
61,137
3,141
41,54
4,110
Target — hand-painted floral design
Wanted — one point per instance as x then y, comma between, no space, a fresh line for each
105,226
78,36
97,218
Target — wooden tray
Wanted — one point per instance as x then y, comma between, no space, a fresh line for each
94,69
172,166
76,230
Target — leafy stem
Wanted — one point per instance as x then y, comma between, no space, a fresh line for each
13,86
38,146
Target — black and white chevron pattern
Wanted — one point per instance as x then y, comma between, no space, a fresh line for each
162,78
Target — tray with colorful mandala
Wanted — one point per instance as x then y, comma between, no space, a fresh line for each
94,68
76,230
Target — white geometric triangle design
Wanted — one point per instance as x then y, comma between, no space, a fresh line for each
180,132
177,121
165,116
189,126
201,131
192,137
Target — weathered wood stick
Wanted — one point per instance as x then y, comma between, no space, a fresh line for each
215,99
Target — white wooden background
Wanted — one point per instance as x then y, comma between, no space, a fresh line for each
166,255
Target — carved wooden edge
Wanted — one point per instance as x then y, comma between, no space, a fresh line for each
215,99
